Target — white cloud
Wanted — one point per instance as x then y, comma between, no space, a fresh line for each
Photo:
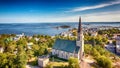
94,7
94,17
111,16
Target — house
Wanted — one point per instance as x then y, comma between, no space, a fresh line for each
65,34
43,61
30,45
18,36
67,48
94,33
118,44
1,49
115,36
37,39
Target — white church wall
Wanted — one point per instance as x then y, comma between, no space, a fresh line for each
54,52
59,54
64,54
70,55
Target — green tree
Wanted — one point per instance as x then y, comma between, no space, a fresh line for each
114,42
21,58
29,54
73,63
3,60
104,62
95,53
49,66
88,48
7,60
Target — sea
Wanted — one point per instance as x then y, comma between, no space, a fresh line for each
47,28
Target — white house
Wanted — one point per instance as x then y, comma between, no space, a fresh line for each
1,49
18,36
94,33
36,39
43,61
67,48
65,34
30,45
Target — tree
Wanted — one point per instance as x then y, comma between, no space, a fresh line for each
104,62
73,63
7,60
114,42
49,66
21,58
3,60
29,54
88,48
95,53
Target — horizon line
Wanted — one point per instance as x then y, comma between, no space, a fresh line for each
54,22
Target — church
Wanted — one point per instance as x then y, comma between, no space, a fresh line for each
68,48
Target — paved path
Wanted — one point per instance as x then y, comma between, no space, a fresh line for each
84,64
29,66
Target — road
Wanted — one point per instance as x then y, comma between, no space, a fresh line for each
29,66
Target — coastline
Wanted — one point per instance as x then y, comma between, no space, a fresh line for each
47,28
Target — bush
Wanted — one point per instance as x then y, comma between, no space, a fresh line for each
95,53
88,48
34,63
49,66
73,63
104,62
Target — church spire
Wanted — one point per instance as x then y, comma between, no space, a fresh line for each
80,40
80,26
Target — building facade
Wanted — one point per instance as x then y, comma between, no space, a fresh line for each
1,49
67,48
43,61
118,44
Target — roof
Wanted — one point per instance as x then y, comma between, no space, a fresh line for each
66,45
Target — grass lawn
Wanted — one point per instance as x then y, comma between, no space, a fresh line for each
58,64
56,59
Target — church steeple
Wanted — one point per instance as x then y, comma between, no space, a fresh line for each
80,40
79,26
79,29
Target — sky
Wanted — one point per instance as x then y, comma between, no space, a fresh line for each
30,11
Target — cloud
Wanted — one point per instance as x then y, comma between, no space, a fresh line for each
93,17
110,16
94,7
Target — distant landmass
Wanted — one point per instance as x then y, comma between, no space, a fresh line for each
47,28
63,26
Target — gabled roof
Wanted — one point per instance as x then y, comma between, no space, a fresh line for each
66,45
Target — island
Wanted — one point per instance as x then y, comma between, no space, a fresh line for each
63,26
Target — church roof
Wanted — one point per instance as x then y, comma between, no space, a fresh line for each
66,45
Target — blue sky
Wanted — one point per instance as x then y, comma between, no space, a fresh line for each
20,11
